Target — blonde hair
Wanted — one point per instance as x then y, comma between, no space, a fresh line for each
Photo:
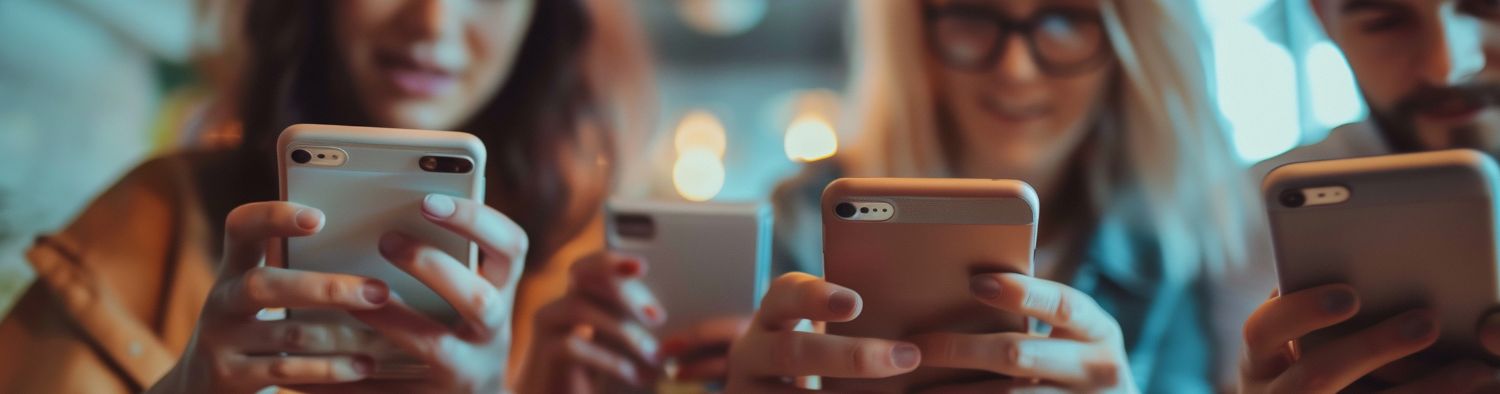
1160,150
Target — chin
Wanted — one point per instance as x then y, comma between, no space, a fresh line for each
423,116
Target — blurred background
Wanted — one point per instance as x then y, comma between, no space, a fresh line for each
746,91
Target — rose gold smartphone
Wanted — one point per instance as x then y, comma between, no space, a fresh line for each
909,246
369,181
1407,231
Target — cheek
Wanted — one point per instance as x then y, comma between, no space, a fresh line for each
1079,100
357,25
960,92
1382,78
493,45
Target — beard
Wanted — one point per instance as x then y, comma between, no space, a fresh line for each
1400,128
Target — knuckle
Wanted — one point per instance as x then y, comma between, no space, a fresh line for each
1063,309
241,218
440,347
426,257
281,368
334,290
785,350
1010,353
1105,374
489,308
1253,333
522,242
482,302
788,282
222,369
294,337
254,286
859,358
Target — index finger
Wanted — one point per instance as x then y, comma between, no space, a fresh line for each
1071,313
717,332
796,296
1291,316
495,233
248,227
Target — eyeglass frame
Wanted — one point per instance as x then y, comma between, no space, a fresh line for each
1006,26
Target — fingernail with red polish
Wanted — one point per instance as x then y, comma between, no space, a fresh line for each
308,219
629,268
653,314
376,292
842,302
984,286
364,365
905,356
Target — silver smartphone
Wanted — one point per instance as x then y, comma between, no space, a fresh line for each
1407,231
369,181
707,260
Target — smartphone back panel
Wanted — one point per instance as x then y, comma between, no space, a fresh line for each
912,270
1416,230
379,187
707,260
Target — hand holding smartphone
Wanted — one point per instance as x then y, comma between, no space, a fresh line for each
708,260
909,248
1388,269
372,181
1410,232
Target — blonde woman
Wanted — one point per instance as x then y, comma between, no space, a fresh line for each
1103,106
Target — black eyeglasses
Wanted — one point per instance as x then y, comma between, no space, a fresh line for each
1063,41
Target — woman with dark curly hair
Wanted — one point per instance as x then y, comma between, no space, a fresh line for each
139,293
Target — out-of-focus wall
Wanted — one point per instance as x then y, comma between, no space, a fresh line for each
78,91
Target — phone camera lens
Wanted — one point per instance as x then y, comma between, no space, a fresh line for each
1293,198
301,156
844,210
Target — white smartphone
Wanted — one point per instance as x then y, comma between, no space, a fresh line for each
369,181
707,260
1407,231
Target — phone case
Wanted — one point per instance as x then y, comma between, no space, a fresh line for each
1416,230
912,270
707,260
379,188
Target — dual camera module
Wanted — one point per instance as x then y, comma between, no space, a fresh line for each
1314,196
849,210
302,156
330,157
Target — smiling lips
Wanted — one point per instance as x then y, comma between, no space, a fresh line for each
1014,112
414,76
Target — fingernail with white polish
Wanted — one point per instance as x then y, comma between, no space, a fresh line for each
905,356
438,206
308,219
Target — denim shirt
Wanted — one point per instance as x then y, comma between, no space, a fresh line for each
1167,332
